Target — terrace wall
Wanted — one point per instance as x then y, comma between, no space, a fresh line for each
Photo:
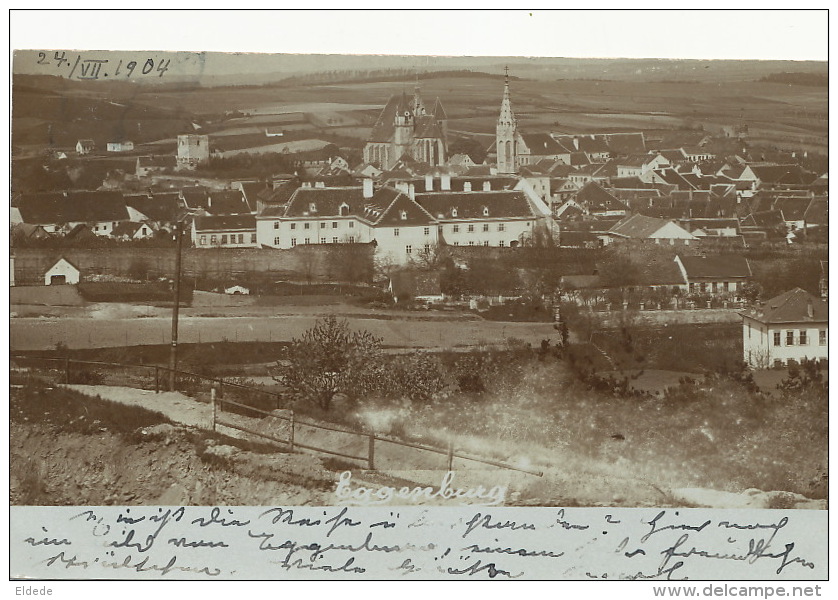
296,263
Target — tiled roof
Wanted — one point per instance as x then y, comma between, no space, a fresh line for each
384,129
225,222
402,211
784,174
626,143
660,270
326,202
596,199
673,155
427,127
818,212
716,266
126,228
458,183
542,144
791,307
592,144
470,205
793,208
768,218
195,197
671,176
72,207
638,226
162,207
439,111
579,159
227,202
252,191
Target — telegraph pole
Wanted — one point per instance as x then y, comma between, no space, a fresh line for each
175,307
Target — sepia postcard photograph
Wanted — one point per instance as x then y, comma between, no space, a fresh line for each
474,314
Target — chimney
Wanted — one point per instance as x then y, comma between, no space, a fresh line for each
487,186
411,191
467,186
368,189
402,187
319,184
429,183
576,142
445,182
810,309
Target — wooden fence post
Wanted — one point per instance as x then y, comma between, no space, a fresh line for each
372,452
67,370
221,392
450,455
156,380
291,443
212,399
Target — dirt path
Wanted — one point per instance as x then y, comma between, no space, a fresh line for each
565,484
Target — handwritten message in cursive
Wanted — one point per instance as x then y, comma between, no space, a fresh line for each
476,542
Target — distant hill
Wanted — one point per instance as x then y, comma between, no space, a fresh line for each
815,79
54,112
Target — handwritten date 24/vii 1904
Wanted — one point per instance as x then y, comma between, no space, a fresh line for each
81,67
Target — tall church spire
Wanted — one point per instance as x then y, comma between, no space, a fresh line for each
418,105
506,133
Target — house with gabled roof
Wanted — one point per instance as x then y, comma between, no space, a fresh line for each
534,147
85,146
58,212
639,165
224,231
598,201
62,272
791,327
718,275
626,143
161,209
503,218
316,215
642,229
130,230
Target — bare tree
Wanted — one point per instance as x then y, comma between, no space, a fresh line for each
307,256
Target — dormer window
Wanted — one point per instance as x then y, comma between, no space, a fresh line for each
344,209
454,212
403,215
485,211
312,207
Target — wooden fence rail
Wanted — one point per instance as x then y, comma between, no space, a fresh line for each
64,365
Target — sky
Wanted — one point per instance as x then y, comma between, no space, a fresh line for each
736,34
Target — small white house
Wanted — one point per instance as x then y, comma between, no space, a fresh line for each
61,273
85,147
237,290
120,146
790,327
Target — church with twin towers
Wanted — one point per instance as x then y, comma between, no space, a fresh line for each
407,128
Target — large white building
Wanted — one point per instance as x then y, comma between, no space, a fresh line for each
403,224
790,327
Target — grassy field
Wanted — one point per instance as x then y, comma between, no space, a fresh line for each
472,104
